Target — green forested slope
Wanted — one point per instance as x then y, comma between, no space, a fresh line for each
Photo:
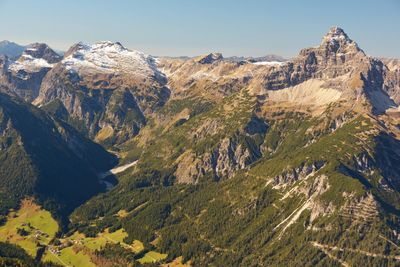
46,158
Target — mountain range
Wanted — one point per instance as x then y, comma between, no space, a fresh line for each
213,161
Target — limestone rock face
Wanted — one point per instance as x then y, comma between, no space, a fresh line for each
221,163
230,157
227,157
392,84
340,64
335,56
294,174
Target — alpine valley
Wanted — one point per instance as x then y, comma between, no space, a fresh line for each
111,157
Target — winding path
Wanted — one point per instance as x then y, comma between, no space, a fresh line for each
366,253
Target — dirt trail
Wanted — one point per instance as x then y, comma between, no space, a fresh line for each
342,262
366,253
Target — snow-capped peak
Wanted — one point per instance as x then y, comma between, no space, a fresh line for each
110,46
34,58
270,63
108,57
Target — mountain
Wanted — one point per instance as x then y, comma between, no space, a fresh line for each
267,58
266,165
23,77
106,89
209,58
11,49
46,158
258,162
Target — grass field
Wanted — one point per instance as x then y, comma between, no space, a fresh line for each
79,253
69,257
104,133
41,228
101,239
38,224
137,246
152,256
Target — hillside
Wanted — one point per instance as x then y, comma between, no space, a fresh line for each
46,158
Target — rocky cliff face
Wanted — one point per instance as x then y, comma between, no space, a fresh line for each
288,177
221,163
335,56
392,83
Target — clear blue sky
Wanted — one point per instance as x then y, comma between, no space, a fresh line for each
189,27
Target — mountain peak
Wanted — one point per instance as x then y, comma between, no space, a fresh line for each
108,57
110,44
105,46
35,58
336,34
209,58
336,31
336,40
42,50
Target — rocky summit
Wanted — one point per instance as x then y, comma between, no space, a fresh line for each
23,77
202,161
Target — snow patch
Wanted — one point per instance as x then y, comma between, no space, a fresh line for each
29,64
117,170
114,171
269,63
